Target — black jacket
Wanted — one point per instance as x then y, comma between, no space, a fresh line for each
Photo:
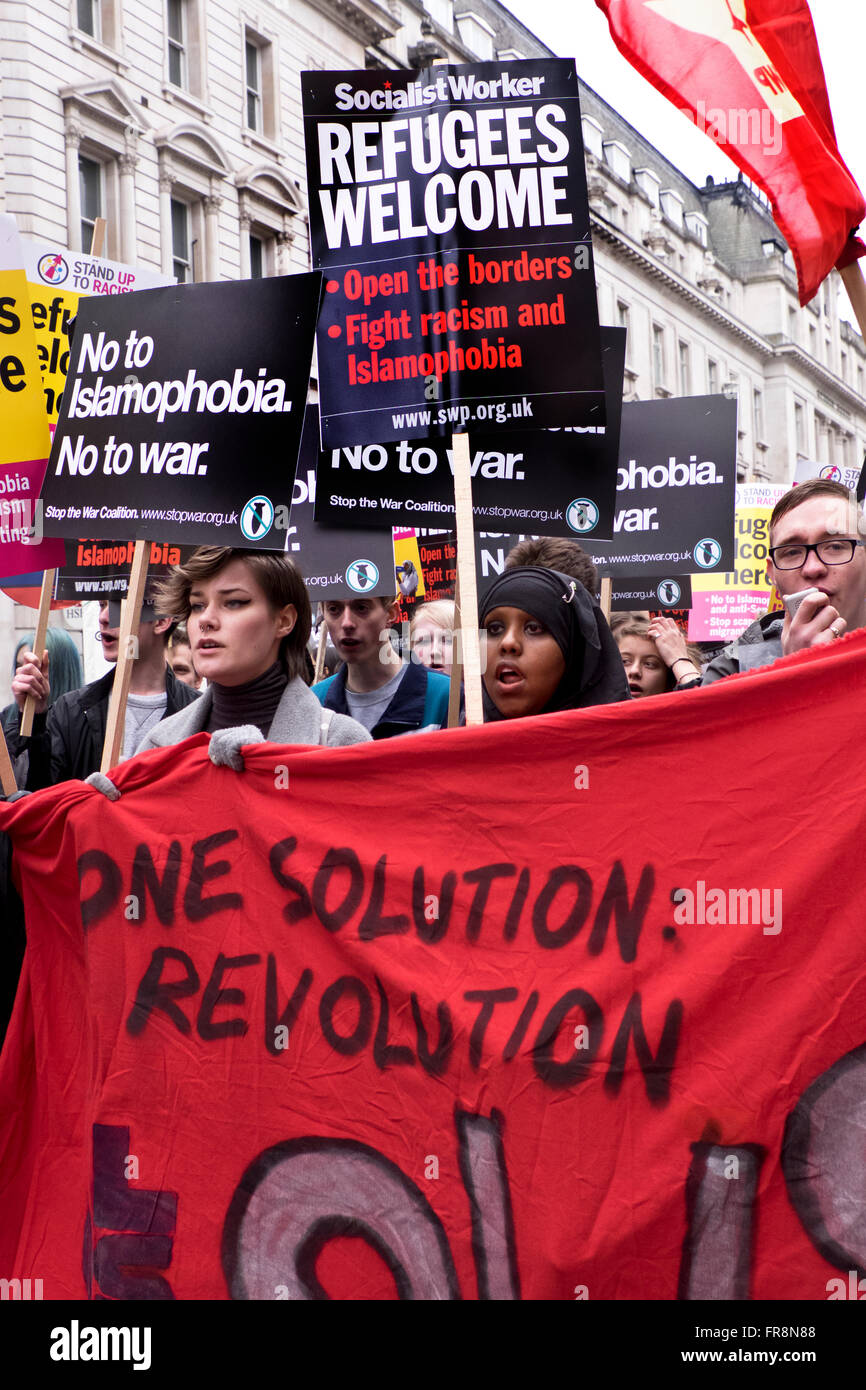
67,740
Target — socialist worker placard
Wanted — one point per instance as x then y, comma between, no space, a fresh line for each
448,209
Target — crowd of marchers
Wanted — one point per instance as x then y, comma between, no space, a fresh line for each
225,646
239,622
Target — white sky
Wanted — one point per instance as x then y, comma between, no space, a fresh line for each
578,29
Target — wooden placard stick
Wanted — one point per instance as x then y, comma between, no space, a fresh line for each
49,576
466,659
7,774
606,596
456,664
97,240
466,615
45,596
852,279
322,648
127,646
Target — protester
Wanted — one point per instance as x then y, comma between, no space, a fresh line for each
547,646
656,656
248,618
66,675
623,616
555,553
332,661
386,695
814,543
179,658
64,664
431,634
68,740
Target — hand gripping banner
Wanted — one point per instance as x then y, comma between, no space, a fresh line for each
353,1023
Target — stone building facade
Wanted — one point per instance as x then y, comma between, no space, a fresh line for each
179,121
706,285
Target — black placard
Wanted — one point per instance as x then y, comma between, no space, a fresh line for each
182,414
673,593
448,208
676,485
555,481
336,562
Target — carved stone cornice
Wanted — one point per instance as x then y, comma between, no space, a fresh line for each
364,19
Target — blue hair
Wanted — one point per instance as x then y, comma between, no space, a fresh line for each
64,663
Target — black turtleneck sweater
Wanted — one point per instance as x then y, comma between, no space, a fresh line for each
253,703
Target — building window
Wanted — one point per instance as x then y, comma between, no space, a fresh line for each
88,17
649,184
800,427
622,313
859,381
181,251
658,355
177,69
102,129
442,12
685,370
758,403
618,159
192,170
476,33
593,135
257,258
253,62
843,366
261,87
268,204
697,224
712,376
813,340
672,206
846,443
90,187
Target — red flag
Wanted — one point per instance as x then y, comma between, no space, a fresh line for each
277,1040
749,74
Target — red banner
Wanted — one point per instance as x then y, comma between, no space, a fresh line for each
748,72
586,1022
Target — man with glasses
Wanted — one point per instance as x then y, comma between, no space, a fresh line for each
815,543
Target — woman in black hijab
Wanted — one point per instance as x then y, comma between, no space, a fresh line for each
548,646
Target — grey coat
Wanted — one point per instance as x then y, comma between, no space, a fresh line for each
759,645
298,719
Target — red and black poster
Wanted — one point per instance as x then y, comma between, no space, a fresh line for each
557,481
266,1047
448,210
101,569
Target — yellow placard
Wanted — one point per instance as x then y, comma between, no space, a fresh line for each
24,430
406,552
52,311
